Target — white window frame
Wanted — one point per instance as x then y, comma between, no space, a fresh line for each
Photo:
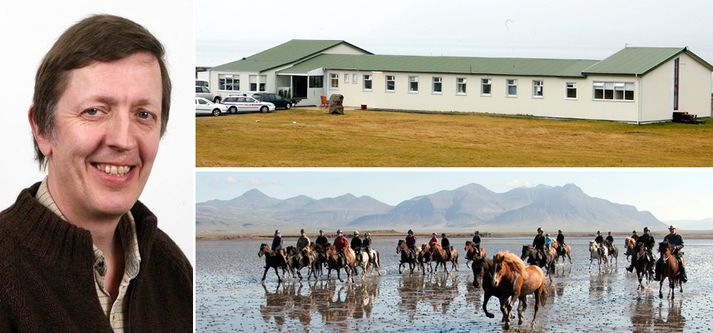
437,80
615,88
464,83
486,82
234,81
508,85
412,79
333,78
365,78
538,93
386,83
355,78
567,87
346,78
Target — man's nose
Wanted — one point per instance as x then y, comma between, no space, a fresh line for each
119,133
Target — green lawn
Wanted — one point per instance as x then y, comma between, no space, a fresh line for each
309,137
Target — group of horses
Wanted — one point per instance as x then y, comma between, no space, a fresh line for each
316,257
423,257
645,263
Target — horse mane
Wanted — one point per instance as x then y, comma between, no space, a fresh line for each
425,247
511,260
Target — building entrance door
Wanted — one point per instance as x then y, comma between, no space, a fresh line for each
299,86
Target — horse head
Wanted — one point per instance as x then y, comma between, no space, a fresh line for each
263,247
400,245
526,251
665,248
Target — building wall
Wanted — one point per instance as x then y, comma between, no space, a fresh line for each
657,94
343,49
694,88
552,104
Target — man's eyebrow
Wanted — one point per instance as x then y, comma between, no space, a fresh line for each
109,100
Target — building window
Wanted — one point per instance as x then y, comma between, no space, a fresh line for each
571,90
461,86
316,82
390,83
511,87
355,79
228,82
437,84
367,82
413,84
615,91
486,86
334,81
254,82
538,88
346,78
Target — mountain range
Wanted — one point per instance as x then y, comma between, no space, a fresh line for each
466,208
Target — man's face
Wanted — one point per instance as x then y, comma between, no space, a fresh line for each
106,136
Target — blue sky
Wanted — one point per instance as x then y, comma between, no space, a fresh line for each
514,28
670,194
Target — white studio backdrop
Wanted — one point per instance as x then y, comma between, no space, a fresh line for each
27,31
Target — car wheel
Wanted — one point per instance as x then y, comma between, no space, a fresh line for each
216,112
233,110
216,99
288,106
264,109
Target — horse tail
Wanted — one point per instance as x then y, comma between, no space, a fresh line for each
543,293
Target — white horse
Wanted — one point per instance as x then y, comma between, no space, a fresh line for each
368,261
598,252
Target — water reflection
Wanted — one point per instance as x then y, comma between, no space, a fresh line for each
336,304
666,316
438,290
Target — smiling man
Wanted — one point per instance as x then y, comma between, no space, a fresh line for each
79,251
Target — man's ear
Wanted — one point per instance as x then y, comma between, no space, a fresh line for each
42,140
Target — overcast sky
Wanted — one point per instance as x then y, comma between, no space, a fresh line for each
670,194
228,30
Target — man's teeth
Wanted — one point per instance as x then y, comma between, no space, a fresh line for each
113,169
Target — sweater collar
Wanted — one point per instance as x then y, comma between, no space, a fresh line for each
46,235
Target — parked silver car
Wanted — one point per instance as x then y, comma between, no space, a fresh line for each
204,106
205,93
237,104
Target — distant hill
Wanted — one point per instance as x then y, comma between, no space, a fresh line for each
468,207
704,224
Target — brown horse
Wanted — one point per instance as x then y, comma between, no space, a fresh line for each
439,256
296,260
564,253
471,252
319,258
272,260
670,269
629,244
453,258
525,280
408,256
334,262
643,265
478,271
529,253
484,267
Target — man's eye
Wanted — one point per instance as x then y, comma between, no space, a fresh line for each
91,111
144,115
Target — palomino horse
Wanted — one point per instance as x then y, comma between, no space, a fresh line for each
408,256
613,252
525,280
478,270
366,260
643,265
530,253
629,244
272,260
471,252
599,253
333,262
439,256
561,251
296,260
670,269
453,258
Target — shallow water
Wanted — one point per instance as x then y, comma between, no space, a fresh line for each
230,296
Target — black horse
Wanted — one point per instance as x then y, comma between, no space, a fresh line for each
530,253
272,260
408,256
484,267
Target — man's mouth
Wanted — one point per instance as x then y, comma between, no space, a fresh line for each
113,170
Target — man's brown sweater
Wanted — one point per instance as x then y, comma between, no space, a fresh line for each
47,282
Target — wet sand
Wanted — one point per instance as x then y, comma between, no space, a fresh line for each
230,296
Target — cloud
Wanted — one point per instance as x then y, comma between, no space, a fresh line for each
515,183
231,180
261,182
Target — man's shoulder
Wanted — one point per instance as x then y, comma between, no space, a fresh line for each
165,252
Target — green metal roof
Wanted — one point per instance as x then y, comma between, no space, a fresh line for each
459,65
637,60
285,53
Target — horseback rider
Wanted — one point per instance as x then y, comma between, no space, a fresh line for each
677,241
340,243
303,242
548,241
648,242
600,240
634,235
411,241
446,244
476,243
322,240
366,244
356,242
610,238
560,242
539,244
278,245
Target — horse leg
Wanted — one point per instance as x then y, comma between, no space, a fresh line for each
672,286
486,297
521,308
267,268
339,276
279,279
570,258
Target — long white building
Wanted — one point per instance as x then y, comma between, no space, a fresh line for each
636,84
